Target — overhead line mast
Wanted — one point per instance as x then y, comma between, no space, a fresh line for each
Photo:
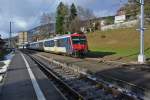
10,35
141,56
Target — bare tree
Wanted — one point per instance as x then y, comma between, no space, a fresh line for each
45,27
85,14
75,25
53,16
45,19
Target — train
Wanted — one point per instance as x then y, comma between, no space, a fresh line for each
70,44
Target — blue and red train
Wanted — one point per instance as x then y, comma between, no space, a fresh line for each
70,44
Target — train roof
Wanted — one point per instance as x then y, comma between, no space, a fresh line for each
69,35
63,36
78,34
59,37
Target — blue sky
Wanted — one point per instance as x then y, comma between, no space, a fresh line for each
25,14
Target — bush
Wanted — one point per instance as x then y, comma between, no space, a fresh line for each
3,53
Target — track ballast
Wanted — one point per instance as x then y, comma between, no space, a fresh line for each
77,86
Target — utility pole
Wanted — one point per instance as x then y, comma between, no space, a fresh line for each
23,40
141,57
10,35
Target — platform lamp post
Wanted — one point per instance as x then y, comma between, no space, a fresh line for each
23,39
141,56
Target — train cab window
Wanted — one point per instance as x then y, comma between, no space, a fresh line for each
78,40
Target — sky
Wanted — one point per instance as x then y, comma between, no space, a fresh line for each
25,14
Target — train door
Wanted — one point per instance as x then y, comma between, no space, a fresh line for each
55,46
41,46
68,46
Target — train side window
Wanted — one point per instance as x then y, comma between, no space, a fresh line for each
52,43
41,44
49,43
61,42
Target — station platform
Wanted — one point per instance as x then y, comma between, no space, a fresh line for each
25,81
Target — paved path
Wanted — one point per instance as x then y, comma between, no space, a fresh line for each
18,84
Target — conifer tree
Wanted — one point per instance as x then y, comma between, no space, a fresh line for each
73,12
60,18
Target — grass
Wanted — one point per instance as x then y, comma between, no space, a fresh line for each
123,42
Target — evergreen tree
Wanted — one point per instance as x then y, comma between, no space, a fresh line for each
73,12
62,12
73,18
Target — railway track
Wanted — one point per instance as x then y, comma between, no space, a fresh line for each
76,86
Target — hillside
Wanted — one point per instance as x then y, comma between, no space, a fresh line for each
119,44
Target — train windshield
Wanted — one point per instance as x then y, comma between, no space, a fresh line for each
78,40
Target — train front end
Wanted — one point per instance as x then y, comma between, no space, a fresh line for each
79,44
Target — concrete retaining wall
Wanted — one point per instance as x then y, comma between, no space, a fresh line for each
120,25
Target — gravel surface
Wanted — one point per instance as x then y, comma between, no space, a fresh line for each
90,65
135,74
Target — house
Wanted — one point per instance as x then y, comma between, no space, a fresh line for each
120,16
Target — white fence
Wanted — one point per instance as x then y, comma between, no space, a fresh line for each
120,25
